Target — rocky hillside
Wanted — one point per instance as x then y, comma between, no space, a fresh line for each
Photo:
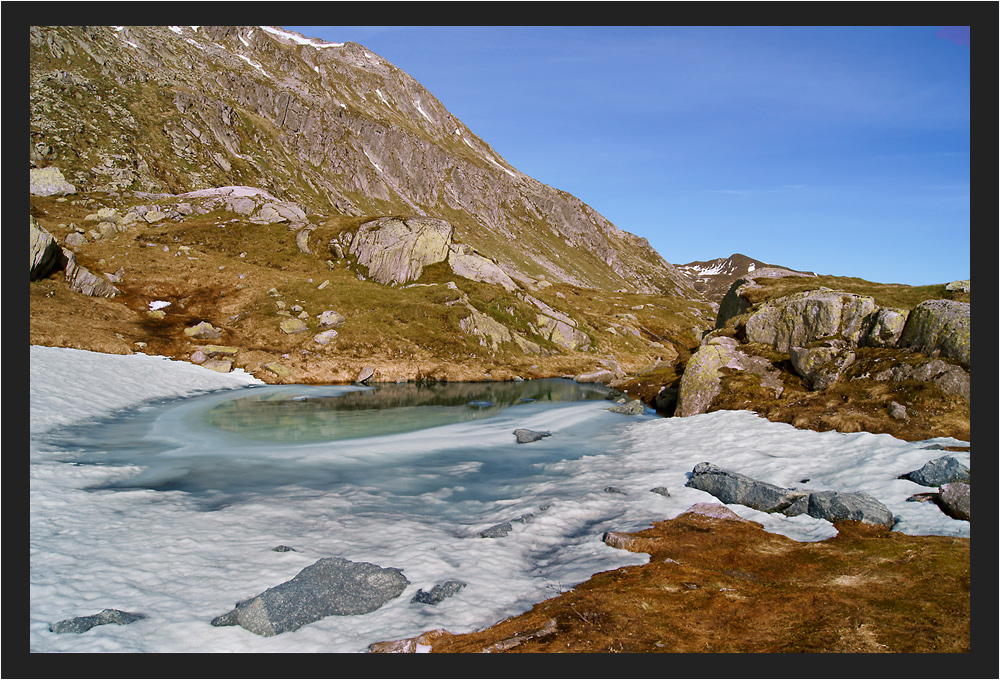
331,127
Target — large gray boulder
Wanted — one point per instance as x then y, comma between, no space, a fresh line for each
801,318
43,252
333,586
737,488
939,471
396,250
940,327
49,182
858,506
833,506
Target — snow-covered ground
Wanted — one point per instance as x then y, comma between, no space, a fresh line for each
187,551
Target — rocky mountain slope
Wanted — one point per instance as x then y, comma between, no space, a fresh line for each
331,127
714,277
239,176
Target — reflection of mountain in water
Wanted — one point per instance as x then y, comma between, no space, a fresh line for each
386,409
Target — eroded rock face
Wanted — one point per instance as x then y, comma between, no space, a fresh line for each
940,327
396,251
333,586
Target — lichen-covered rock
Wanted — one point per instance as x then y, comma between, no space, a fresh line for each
396,251
886,328
631,408
203,331
292,326
333,586
701,381
950,378
940,327
466,262
821,366
801,318
49,182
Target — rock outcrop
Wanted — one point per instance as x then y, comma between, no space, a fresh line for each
49,182
940,327
397,250
801,318
43,251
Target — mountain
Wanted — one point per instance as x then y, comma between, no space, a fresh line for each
714,277
240,175
332,127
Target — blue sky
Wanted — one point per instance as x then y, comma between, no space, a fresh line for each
839,150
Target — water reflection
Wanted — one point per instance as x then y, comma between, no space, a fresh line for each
301,415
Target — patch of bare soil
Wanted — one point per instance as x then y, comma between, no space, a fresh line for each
726,585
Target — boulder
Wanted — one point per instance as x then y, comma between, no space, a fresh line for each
666,399
632,408
82,280
950,378
801,318
331,319
859,506
291,326
43,252
733,487
396,250
203,331
439,592
702,378
885,328
49,182
466,262
528,436
938,472
81,624
365,375
821,366
940,327
326,337
276,368
833,506
333,586
956,500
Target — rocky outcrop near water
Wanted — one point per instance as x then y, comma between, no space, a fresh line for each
823,333
333,586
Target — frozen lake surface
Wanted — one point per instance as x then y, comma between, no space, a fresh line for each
152,494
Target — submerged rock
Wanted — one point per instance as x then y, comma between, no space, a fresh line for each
528,436
333,586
